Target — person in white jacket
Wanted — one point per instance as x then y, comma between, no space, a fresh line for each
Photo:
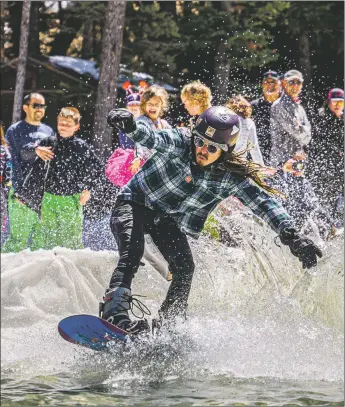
248,139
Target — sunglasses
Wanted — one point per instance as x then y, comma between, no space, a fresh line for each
271,75
211,148
295,82
38,106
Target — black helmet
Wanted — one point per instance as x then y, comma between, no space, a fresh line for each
219,125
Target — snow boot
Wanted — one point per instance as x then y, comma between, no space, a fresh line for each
117,302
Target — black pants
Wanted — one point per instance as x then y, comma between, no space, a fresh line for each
129,222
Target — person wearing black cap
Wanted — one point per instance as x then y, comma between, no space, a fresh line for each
326,158
271,88
171,197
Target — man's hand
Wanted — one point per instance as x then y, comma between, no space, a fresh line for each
45,153
292,165
135,165
289,166
301,247
122,119
84,197
300,156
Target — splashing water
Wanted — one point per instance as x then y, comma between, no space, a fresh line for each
261,329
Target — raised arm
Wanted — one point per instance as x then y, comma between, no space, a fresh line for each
168,140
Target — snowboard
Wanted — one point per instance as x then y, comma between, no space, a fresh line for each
90,331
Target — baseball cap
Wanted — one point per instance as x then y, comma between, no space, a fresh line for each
271,74
293,74
335,94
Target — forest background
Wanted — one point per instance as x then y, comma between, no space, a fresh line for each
226,44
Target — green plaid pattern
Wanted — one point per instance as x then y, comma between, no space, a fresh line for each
172,183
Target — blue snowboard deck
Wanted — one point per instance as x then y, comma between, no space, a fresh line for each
90,331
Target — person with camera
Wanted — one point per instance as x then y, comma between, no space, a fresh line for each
170,197
291,135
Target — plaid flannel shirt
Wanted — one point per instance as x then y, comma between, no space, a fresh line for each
172,183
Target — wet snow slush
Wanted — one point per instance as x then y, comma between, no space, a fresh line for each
261,330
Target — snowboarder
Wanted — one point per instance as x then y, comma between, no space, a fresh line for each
172,195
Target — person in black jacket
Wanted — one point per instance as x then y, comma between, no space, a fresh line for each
59,186
326,158
271,89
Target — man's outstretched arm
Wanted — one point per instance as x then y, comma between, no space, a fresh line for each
272,212
168,140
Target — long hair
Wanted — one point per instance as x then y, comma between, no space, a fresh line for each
151,92
2,135
240,106
238,164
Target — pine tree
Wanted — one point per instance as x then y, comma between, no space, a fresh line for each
21,67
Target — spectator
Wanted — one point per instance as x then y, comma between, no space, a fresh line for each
271,88
5,175
291,134
326,164
154,103
247,141
58,188
133,105
23,221
196,98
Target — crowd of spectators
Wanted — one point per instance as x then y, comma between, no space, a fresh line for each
48,176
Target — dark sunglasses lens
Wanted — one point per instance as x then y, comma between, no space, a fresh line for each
38,105
293,82
198,142
212,149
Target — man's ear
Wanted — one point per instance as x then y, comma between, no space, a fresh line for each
25,108
77,127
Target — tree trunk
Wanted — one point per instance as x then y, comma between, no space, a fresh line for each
221,73
304,57
109,71
21,68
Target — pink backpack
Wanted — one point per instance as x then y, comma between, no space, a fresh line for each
117,168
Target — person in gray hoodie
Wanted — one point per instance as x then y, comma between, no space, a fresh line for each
291,135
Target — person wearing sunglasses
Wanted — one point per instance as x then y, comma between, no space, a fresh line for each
170,197
326,157
291,135
23,220
271,89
